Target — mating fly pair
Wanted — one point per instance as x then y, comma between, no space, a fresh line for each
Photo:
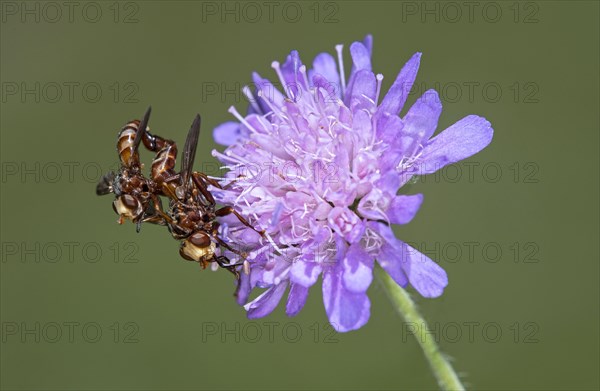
192,214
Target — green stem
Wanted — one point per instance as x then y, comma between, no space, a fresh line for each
443,371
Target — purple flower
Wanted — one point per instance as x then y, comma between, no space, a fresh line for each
319,169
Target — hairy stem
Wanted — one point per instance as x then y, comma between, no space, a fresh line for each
443,371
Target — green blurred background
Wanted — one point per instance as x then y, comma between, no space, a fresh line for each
518,234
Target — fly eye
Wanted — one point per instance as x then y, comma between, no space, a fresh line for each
200,239
145,187
127,206
129,201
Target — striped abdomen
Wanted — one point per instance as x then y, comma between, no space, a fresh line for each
127,153
164,163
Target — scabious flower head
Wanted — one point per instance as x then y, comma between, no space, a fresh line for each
318,167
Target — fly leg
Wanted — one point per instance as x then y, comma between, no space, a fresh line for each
201,180
224,262
224,244
226,210
151,216
156,215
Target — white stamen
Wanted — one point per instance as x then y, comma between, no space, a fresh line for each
269,238
339,48
252,304
238,160
274,109
246,91
372,241
302,70
237,115
305,211
296,234
277,68
322,98
379,78
263,122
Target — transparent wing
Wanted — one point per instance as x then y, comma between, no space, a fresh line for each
189,153
141,130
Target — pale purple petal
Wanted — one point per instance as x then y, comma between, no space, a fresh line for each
357,269
268,91
426,276
332,90
460,141
227,133
243,291
390,256
361,58
276,269
357,233
396,96
403,208
325,65
340,247
361,90
368,42
389,127
305,273
264,304
289,69
400,145
403,262
362,120
296,299
346,310
422,118
389,183
374,204
346,224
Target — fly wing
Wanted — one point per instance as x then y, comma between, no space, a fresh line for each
141,130
105,185
189,153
